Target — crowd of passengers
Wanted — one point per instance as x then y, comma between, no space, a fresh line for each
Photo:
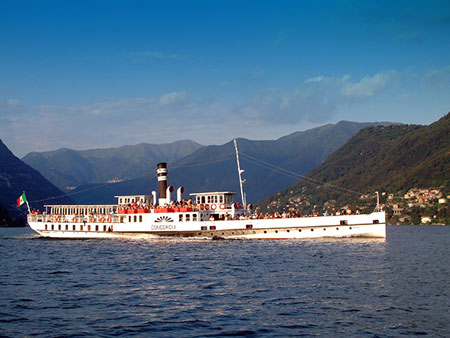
255,215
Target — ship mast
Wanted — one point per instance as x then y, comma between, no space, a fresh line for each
240,171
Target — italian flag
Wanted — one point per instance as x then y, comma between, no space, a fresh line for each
21,200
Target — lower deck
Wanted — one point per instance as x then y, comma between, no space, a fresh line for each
372,225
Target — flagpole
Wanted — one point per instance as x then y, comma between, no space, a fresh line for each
28,206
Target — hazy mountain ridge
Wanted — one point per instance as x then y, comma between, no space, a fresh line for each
68,168
389,159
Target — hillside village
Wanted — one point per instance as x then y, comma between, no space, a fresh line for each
416,206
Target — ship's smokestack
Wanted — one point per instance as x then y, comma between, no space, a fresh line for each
163,182
169,190
180,190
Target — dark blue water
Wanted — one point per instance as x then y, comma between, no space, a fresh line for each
201,288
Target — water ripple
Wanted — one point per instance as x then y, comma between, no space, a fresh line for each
199,288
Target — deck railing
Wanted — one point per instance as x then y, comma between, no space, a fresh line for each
73,218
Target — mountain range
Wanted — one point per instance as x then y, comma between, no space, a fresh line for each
68,169
213,168
391,159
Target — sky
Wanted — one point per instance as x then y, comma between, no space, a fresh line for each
96,74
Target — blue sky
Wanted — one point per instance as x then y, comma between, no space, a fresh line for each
93,74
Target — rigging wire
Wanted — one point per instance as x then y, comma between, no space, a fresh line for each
70,194
282,170
202,163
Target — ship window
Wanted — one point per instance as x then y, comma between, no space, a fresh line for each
212,227
204,227
180,217
89,227
96,228
140,218
188,217
375,221
53,227
276,231
299,230
249,226
324,229
59,227
288,230
265,231
73,227
104,228
129,219
194,217
135,219
344,222
46,227
312,229
203,199
221,199
350,228
67,226
337,228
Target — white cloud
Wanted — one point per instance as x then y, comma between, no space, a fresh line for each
173,97
367,86
315,79
13,102
437,77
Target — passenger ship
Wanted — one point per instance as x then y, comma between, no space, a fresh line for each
213,215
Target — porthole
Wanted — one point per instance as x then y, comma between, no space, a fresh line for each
337,228
324,229
288,230
299,230
276,231
312,229
265,231
350,228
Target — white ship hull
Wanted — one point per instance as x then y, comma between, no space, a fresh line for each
163,225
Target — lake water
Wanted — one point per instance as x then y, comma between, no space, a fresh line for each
202,288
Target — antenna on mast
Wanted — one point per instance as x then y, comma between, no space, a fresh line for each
240,171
